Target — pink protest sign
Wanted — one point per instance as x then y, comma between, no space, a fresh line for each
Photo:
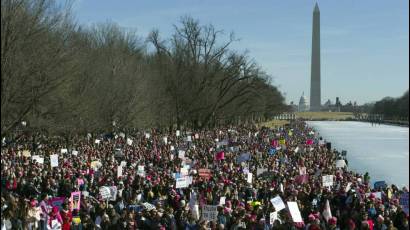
75,200
309,142
220,155
56,202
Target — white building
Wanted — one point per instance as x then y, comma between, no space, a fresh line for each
303,106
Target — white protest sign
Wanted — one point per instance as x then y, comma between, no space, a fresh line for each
123,163
54,160
64,151
122,135
119,171
294,212
189,180
172,148
277,202
105,192
181,182
259,171
38,159
113,192
189,138
74,152
196,136
249,178
148,206
181,154
302,171
297,149
209,212
348,187
184,171
178,133
340,163
147,135
141,170
165,140
97,141
222,200
272,217
129,141
327,180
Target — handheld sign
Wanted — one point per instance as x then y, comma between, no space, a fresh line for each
209,212
277,202
75,200
181,182
54,160
327,180
105,193
340,163
294,212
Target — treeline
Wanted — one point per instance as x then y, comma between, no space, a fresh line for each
61,77
393,108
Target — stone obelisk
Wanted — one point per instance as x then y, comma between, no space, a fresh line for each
315,65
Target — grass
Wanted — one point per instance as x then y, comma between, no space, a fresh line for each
324,115
273,123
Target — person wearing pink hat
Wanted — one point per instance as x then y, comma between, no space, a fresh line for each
55,221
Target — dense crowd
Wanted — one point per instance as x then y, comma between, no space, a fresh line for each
241,177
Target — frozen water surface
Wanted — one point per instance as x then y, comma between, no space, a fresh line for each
381,150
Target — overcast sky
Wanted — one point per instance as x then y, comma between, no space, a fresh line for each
364,44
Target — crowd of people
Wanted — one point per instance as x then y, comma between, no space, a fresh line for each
242,177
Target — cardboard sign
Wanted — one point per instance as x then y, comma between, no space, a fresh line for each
38,159
294,212
75,200
327,180
95,165
277,202
181,182
209,212
54,160
105,193
340,163
119,171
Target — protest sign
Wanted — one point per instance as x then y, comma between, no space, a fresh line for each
243,157
220,155
178,133
26,153
309,142
165,140
302,170
129,141
294,212
189,138
95,165
123,163
196,136
148,206
74,152
38,159
327,180
209,212
181,154
277,202
273,216
105,193
348,187
205,173
119,171
222,200
272,151
404,202
184,171
56,202
380,185
80,181
113,192
302,179
249,178
181,182
63,151
297,149
97,141
259,171
147,135
340,163
75,200
54,160
141,171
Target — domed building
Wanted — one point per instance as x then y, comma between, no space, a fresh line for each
303,106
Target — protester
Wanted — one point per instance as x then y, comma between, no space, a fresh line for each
223,178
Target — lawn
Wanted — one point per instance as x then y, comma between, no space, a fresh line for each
324,115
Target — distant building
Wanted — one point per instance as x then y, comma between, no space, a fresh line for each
293,107
303,106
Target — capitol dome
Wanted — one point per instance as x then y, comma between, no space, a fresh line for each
303,106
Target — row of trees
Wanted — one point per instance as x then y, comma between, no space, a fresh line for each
65,78
393,108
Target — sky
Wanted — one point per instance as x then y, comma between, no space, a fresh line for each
364,44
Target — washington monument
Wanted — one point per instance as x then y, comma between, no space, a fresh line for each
315,65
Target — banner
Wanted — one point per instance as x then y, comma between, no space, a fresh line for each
209,212
277,202
327,180
54,160
75,200
294,212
